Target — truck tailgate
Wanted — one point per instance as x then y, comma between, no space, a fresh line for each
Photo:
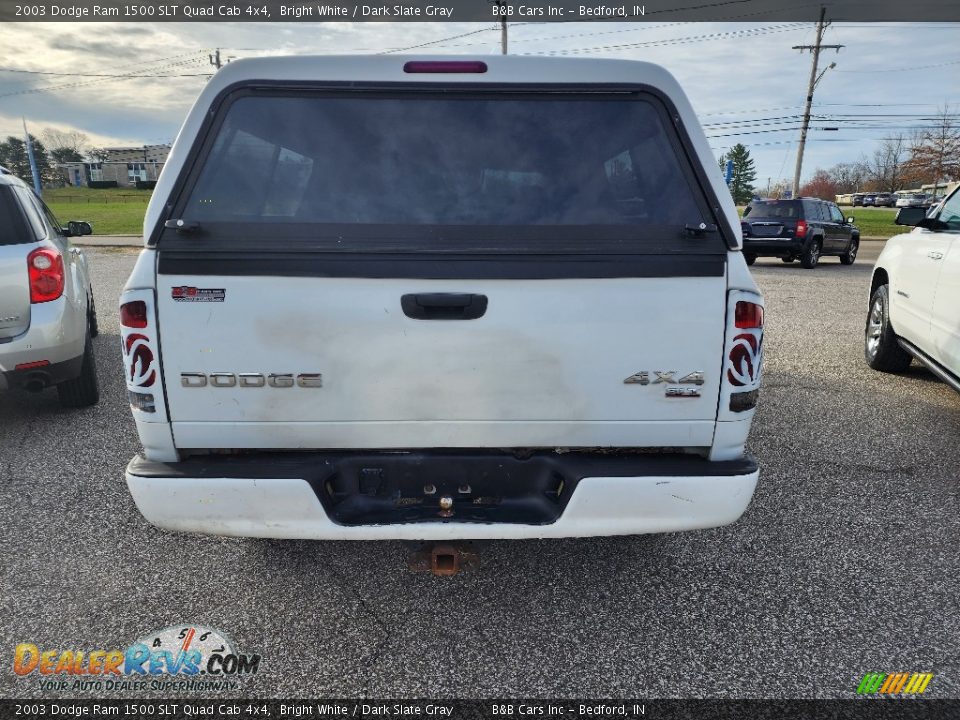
544,352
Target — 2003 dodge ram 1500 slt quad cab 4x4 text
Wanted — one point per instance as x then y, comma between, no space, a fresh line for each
441,298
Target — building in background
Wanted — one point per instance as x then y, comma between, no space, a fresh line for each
130,167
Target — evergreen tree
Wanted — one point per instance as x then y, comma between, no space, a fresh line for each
744,174
13,156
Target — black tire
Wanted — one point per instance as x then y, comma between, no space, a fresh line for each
811,254
788,260
880,346
83,390
751,258
94,324
851,254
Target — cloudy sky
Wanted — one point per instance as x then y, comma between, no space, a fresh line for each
744,80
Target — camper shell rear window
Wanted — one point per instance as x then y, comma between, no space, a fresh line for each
447,171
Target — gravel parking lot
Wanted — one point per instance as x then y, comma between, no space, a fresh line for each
846,562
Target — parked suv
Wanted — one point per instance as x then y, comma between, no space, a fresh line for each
884,200
915,295
47,314
805,229
441,298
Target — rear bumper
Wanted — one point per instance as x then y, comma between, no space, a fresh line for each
56,334
773,246
45,375
242,497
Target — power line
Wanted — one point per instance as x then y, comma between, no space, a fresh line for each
746,32
797,127
903,69
87,74
435,42
99,75
135,74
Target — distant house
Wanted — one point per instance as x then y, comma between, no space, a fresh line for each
118,167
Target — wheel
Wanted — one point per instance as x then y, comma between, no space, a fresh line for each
787,259
83,390
880,341
851,254
751,258
92,317
811,255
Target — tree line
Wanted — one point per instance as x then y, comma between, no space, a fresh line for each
931,155
52,148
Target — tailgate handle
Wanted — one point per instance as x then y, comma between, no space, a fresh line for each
443,306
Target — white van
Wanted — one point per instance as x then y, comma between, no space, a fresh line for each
433,298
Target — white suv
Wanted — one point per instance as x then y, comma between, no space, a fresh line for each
441,298
915,295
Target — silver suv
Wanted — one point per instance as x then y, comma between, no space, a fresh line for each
47,315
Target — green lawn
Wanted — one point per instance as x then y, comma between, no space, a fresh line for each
111,211
873,222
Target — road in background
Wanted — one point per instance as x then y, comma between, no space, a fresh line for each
846,562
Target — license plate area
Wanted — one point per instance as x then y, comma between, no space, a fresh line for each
766,230
415,487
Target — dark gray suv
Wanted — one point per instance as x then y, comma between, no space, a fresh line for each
804,229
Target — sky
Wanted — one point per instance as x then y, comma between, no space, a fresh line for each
745,81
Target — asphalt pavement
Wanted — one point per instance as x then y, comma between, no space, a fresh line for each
846,561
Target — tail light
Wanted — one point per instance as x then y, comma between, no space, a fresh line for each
142,368
134,314
45,268
141,357
744,353
445,66
801,228
748,315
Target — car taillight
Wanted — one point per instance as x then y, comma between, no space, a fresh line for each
45,268
748,315
134,314
801,228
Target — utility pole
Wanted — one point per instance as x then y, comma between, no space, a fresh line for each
814,79
499,10
215,59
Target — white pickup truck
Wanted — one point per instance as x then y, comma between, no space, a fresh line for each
436,298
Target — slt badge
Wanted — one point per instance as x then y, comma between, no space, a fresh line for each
667,377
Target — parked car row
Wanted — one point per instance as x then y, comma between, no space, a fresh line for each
888,199
878,200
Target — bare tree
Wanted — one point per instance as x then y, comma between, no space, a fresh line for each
886,167
850,177
935,151
65,145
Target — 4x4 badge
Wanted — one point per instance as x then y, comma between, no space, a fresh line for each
664,376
